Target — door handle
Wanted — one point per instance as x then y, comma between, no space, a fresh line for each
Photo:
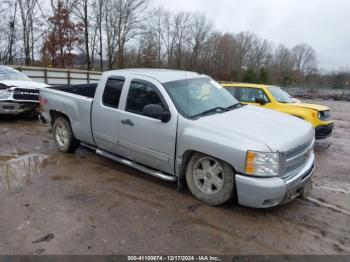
127,122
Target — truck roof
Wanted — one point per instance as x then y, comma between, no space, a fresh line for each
161,75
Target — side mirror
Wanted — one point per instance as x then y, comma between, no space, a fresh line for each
157,111
260,101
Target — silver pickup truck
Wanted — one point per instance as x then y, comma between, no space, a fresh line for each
184,127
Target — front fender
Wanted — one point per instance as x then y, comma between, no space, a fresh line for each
230,148
307,115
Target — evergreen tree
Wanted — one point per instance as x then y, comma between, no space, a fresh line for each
249,76
264,76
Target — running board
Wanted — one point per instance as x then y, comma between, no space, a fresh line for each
88,146
139,167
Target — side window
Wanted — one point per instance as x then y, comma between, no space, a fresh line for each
140,95
248,95
112,92
233,91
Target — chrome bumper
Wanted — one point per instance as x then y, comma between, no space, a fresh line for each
268,192
8,108
16,108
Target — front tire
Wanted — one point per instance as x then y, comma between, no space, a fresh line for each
63,136
210,180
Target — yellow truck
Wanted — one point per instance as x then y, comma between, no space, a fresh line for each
275,98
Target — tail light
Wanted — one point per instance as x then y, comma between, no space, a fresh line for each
43,102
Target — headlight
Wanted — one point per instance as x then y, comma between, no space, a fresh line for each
262,164
324,115
5,94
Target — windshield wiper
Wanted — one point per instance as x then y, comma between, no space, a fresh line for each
234,106
215,109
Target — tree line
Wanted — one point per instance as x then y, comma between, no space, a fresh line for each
110,34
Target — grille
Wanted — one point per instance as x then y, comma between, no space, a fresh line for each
296,158
26,94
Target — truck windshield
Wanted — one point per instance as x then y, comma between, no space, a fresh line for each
280,95
8,73
194,97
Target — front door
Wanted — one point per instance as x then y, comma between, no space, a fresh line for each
146,140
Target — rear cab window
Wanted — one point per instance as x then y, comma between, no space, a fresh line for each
112,92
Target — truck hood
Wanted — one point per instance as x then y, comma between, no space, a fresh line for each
277,131
310,106
23,84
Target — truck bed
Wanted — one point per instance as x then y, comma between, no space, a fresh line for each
87,90
74,101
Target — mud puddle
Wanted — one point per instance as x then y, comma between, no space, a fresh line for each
20,169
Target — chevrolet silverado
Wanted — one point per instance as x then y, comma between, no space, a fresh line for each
184,127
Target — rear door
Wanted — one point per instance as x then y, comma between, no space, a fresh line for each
144,139
106,115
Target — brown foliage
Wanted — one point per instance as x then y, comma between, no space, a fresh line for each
62,37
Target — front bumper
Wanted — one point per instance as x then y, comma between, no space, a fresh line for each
322,132
8,108
14,108
268,192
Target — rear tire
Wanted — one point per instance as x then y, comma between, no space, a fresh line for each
210,180
63,136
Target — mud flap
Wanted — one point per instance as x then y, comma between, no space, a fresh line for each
180,184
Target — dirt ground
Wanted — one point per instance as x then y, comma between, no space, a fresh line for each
55,203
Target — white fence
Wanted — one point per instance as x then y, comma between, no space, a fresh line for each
54,76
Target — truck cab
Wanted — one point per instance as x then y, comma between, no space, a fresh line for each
275,98
184,127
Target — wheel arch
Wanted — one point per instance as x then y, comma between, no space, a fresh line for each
73,143
54,114
187,155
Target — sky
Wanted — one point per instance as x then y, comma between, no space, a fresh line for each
323,24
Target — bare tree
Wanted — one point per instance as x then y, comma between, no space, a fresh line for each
222,52
181,30
111,32
259,53
123,23
148,51
157,23
169,39
117,31
200,29
28,11
304,58
88,15
99,9
243,44
130,24
283,65
9,28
